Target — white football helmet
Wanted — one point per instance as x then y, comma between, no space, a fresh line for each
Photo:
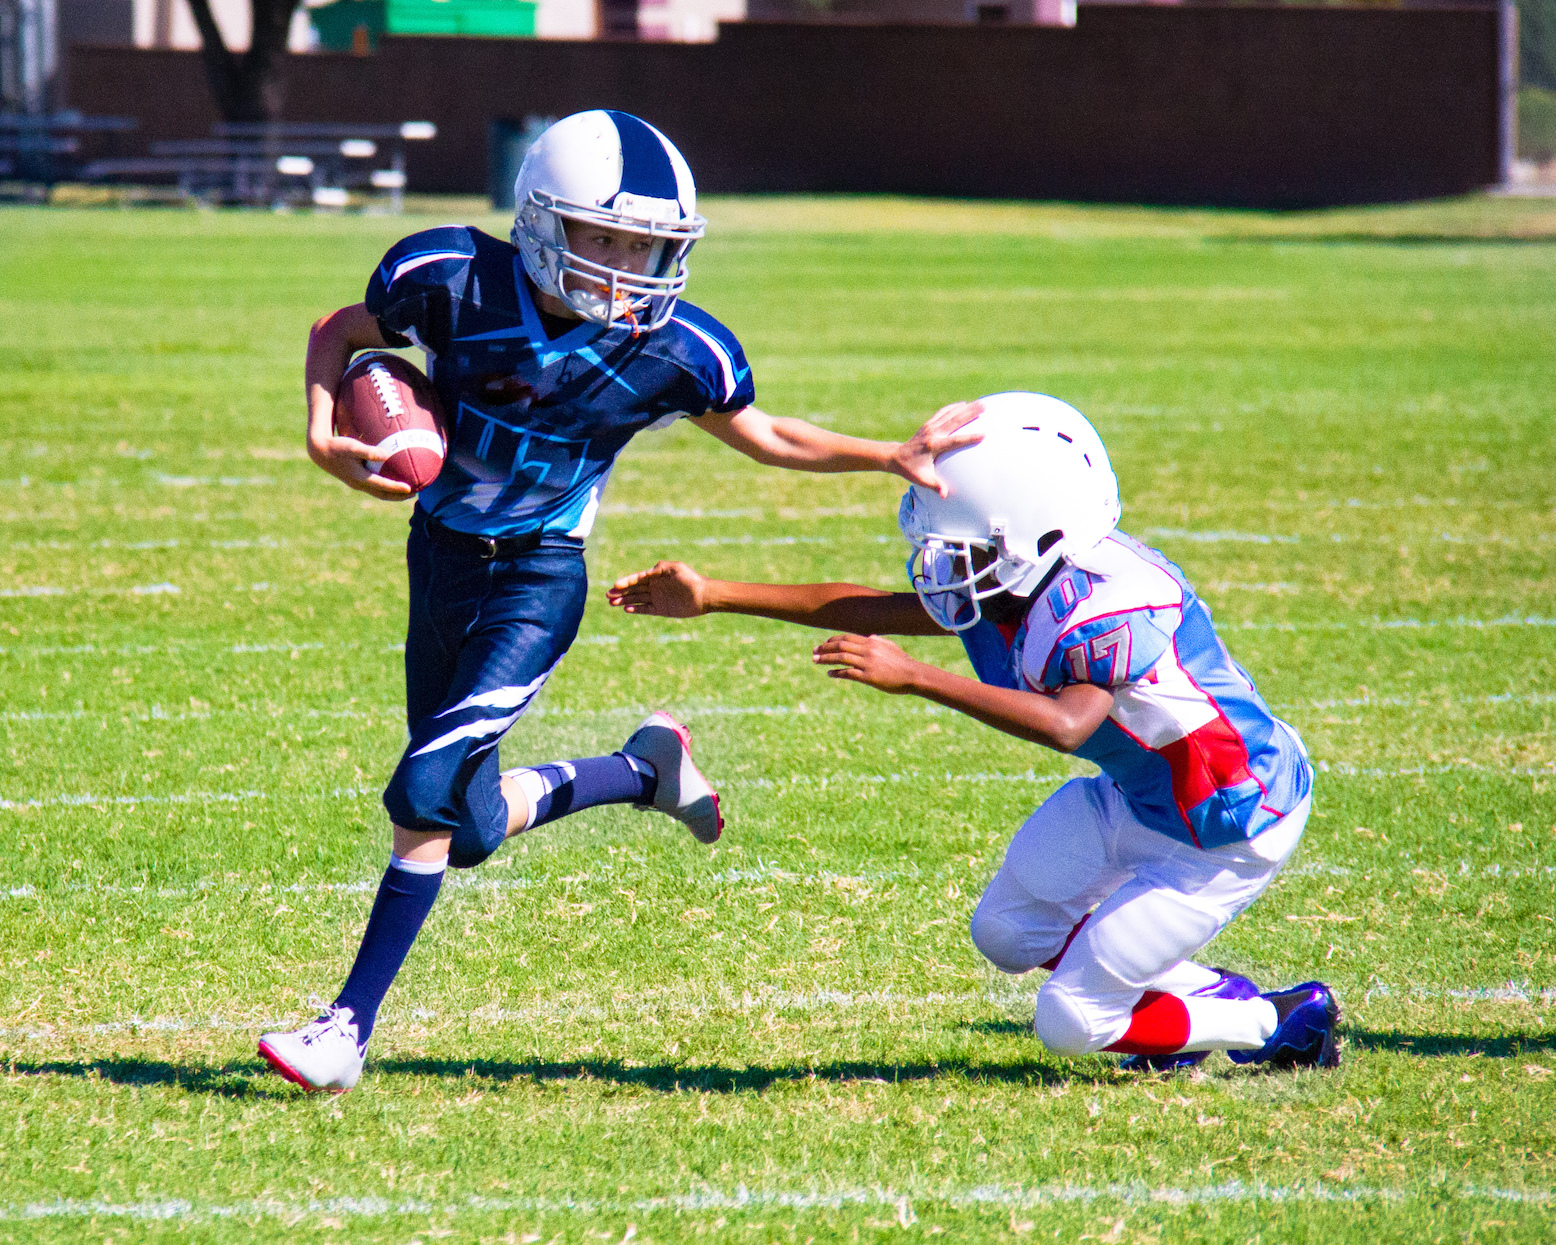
607,168
1036,490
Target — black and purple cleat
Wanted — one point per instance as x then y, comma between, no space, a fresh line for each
1304,1037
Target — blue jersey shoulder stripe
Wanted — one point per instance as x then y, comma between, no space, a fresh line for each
731,376
412,262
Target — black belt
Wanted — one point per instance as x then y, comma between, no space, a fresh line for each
484,547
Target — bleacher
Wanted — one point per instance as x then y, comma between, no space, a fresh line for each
259,164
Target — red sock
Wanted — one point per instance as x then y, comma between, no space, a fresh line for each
1159,1025
1052,964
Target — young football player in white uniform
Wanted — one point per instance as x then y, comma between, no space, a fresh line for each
548,352
1089,643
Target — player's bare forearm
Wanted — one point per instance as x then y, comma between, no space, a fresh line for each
331,343
1062,721
801,446
793,443
675,590
851,607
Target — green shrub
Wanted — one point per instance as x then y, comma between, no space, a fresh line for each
1537,124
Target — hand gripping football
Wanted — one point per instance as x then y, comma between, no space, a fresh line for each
386,401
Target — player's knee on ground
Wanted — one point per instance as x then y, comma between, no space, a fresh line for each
1063,1025
1002,941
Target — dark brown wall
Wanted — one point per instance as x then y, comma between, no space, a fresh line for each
1275,107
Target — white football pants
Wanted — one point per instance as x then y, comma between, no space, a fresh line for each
1160,902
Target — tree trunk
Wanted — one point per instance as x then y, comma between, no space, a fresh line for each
247,86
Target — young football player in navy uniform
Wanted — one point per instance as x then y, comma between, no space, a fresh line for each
548,354
1089,643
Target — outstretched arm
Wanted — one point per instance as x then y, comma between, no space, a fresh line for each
675,590
331,344
804,447
1062,721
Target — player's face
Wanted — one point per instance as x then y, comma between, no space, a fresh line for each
1001,607
611,248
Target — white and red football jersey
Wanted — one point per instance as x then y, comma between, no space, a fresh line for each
1190,743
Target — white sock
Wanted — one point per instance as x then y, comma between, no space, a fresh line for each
1229,1024
424,867
1185,977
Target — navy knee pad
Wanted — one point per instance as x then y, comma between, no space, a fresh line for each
425,795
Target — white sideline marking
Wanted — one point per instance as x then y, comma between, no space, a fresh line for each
142,650
1205,538
141,590
1425,701
1510,993
281,646
760,872
799,709
1339,769
1344,769
1393,624
187,797
176,542
161,477
706,1199
1274,589
710,541
464,881
352,793
676,512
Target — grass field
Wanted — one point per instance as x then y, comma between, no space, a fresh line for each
1342,426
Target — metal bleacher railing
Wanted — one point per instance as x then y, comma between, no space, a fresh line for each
43,149
271,164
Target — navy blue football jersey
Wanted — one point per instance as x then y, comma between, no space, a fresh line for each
537,423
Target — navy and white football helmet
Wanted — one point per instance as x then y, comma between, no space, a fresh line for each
607,168
1036,490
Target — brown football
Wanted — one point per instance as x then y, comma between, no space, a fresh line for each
386,400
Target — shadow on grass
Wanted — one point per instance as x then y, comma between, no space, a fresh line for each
252,1079
718,1079
232,1080
1437,1045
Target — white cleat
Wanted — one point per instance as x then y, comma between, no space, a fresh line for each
323,1054
683,792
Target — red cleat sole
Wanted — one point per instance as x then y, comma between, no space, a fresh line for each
287,1073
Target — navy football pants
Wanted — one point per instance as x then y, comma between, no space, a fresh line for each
483,638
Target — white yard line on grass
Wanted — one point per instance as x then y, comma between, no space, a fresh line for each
760,872
786,638
1209,538
823,782
1344,769
877,709
692,1007
707,1200
140,590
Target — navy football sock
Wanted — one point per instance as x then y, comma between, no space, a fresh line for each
405,897
558,788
